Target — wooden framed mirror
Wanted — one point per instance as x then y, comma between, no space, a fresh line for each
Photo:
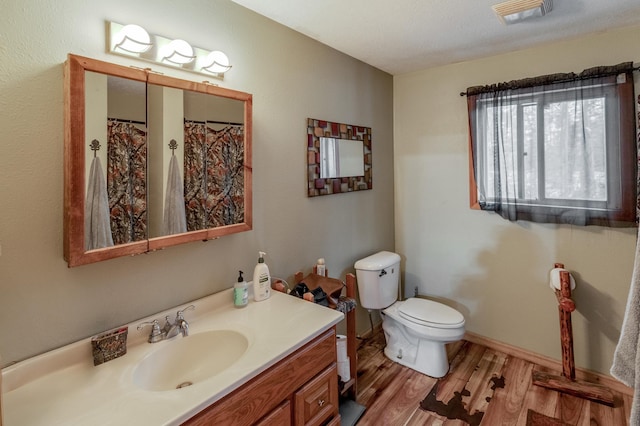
151,161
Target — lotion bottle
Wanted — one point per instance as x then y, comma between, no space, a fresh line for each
240,292
320,267
261,279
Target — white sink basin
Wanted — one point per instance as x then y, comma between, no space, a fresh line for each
188,360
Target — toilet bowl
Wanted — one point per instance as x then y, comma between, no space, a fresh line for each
416,330
417,339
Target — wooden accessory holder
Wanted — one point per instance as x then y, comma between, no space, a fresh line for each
350,387
567,383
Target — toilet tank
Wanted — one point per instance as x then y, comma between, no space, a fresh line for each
378,278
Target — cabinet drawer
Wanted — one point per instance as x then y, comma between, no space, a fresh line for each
281,416
334,421
317,401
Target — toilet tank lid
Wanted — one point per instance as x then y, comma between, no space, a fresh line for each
378,261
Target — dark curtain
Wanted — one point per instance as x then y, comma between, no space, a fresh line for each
558,148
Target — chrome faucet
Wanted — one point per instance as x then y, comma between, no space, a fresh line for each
170,330
180,325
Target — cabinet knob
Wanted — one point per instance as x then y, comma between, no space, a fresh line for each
320,402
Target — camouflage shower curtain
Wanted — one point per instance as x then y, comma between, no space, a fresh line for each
213,175
126,181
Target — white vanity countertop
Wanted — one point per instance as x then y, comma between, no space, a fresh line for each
63,387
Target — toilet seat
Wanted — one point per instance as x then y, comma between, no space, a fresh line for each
430,313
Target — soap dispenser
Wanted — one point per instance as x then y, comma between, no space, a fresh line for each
261,279
240,292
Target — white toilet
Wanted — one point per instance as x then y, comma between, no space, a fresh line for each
416,330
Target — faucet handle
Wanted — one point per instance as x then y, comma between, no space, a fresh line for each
156,333
180,313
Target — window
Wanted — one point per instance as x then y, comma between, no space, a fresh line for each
556,149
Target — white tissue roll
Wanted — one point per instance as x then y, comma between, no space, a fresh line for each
554,279
344,370
341,347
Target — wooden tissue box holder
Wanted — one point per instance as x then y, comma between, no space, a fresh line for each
109,345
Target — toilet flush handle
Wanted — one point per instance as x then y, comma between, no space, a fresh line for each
382,273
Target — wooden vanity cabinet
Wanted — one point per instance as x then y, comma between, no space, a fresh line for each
299,390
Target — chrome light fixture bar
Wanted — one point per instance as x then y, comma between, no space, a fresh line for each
513,11
135,42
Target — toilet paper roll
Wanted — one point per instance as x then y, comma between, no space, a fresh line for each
344,370
341,347
554,279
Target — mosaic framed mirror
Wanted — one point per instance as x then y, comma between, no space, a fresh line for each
339,158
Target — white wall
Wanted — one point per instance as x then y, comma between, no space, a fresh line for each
43,304
495,271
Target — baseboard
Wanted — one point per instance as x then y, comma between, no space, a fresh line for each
548,362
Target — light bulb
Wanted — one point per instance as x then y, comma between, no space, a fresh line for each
216,62
178,52
132,38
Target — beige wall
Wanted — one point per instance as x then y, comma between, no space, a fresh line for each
495,271
43,304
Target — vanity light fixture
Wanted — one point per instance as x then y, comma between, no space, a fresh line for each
513,11
135,42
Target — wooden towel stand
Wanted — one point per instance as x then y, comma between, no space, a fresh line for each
567,383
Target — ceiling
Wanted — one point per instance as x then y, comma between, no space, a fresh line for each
402,36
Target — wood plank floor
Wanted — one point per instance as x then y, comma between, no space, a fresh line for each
484,387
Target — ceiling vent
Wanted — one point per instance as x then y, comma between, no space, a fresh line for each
513,11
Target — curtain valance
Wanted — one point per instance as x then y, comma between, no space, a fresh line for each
601,71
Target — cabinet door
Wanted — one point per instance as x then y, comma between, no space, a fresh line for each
280,416
317,401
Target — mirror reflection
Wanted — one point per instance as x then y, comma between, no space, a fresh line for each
115,123
214,153
341,158
195,153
